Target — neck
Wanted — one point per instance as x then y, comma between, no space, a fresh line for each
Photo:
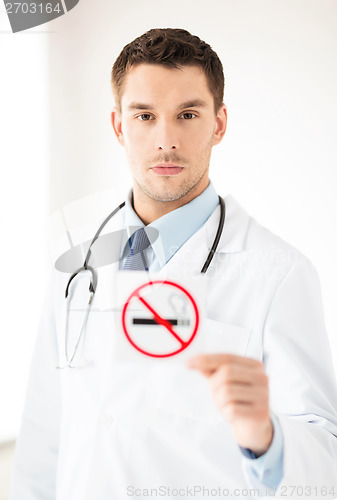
149,210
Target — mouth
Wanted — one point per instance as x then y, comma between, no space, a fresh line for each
168,169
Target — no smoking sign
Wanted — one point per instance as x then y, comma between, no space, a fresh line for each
160,319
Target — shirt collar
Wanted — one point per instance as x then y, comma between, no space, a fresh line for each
172,232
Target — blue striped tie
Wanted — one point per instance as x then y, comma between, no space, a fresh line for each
136,259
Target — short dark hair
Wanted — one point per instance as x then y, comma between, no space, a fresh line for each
172,48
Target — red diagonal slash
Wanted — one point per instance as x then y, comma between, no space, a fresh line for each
161,321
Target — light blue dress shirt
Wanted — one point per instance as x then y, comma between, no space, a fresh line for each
172,232
174,228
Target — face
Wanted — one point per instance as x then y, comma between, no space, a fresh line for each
168,127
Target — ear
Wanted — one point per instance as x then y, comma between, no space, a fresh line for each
116,120
221,125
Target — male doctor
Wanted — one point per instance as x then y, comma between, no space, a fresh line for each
257,413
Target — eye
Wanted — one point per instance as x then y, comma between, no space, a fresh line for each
145,117
187,116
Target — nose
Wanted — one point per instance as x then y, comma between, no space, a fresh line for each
166,137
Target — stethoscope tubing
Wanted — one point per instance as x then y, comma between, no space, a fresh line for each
86,267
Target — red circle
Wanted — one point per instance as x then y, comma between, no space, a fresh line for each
135,293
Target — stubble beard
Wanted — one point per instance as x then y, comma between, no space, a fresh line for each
168,193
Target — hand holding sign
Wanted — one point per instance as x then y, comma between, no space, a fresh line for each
240,390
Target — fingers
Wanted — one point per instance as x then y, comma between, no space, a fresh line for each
209,363
247,415
229,393
238,373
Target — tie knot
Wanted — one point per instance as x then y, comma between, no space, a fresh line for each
136,260
138,241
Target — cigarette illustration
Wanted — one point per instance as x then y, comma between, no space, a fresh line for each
150,321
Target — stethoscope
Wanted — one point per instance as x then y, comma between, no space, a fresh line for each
93,275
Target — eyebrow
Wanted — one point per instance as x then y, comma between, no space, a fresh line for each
139,105
195,103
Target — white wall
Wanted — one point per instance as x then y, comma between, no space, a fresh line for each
23,210
278,157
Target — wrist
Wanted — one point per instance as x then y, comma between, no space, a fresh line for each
258,442
265,441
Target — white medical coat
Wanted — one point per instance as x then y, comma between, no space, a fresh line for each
92,433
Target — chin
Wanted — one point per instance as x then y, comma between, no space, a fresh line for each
167,195
167,192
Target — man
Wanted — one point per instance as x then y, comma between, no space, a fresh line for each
258,410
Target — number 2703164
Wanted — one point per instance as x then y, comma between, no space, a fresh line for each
32,8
